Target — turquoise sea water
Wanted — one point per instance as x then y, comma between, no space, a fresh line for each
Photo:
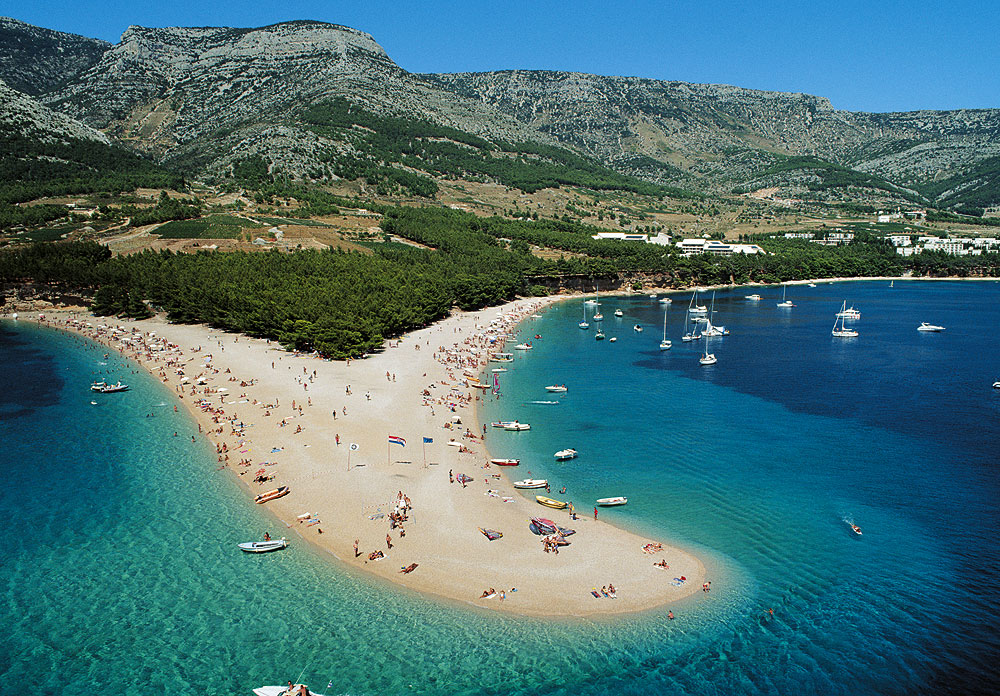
120,571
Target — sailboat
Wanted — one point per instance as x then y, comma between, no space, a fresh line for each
597,302
710,329
784,302
665,344
708,358
694,307
843,331
692,333
584,324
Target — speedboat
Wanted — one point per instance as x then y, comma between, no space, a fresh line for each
619,313
599,336
505,462
849,313
550,502
637,328
753,298
272,495
924,326
502,424
264,546
522,346
613,339
111,388
666,300
516,427
556,388
996,385
608,502
98,386
564,454
284,691
855,528
531,483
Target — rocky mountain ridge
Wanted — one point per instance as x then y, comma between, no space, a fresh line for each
202,97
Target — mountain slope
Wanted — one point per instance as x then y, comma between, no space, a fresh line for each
203,99
34,60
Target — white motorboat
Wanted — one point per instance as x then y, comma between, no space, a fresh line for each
652,296
666,300
785,302
296,690
849,313
753,298
264,546
996,385
517,427
531,483
522,346
557,388
924,326
103,388
839,329
608,502
812,285
637,328
613,339
619,313
499,369
599,336
562,455
501,424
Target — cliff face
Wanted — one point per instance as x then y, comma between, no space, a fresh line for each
201,97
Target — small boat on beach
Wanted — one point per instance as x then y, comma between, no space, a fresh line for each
556,388
263,546
924,326
531,483
505,462
544,526
272,495
550,502
491,534
609,502
566,454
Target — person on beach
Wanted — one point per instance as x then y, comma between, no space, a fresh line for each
595,513
388,541
356,548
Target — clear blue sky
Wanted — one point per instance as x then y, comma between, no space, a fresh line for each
873,55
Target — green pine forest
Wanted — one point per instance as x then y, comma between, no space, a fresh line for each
345,304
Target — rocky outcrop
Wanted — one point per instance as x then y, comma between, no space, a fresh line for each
22,116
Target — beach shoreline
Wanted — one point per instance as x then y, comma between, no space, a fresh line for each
240,390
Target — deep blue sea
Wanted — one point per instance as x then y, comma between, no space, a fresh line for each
119,568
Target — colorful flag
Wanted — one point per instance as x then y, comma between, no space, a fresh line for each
397,440
428,439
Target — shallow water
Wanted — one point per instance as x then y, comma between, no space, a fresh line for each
120,569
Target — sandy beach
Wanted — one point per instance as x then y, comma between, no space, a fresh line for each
323,429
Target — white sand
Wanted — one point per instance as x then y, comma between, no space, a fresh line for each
454,559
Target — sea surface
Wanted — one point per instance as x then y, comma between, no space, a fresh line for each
119,569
